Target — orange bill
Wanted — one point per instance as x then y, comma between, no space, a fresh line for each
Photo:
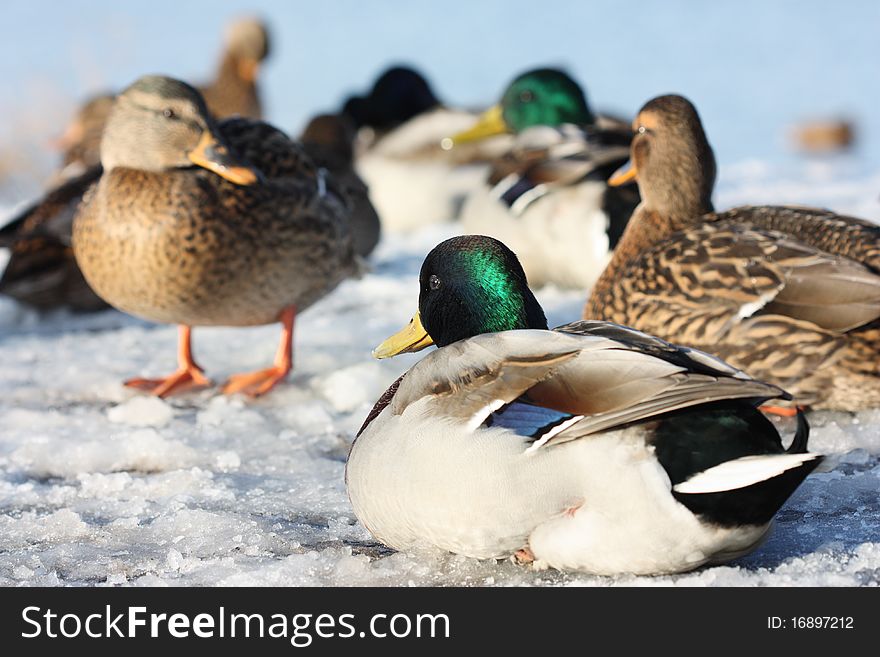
214,155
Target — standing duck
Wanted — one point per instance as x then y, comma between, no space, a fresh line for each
547,197
592,447
206,224
791,295
42,271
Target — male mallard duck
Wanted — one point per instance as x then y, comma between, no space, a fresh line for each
413,180
547,197
591,447
232,92
791,295
205,224
329,141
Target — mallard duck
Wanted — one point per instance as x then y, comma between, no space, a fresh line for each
791,295
329,141
206,224
80,145
547,197
592,447
232,92
413,180
42,271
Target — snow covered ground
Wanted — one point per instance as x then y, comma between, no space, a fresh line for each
100,485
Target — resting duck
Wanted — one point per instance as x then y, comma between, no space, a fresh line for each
206,224
329,141
413,180
592,447
791,295
547,197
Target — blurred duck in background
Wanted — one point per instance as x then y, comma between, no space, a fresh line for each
232,92
546,196
42,271
790,295
202,223
401,126
329,141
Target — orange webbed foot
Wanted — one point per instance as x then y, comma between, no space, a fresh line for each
180,381
188,375
781,411
260,382
256,383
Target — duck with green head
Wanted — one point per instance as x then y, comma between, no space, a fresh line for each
547,196
201,223
592,447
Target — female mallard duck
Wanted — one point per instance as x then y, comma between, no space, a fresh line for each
547,197
413,180
329,141
791,295
42,271
592,447
205,224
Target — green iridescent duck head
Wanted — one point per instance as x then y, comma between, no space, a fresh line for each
468,285
544,96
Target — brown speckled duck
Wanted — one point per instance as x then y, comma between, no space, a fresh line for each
791,295
206,224
42,271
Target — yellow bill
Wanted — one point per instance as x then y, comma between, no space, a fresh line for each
623,175
490,123
409,339
213,155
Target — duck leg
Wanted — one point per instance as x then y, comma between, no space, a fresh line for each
262,381
188,374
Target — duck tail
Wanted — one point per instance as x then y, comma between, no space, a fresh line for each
799,444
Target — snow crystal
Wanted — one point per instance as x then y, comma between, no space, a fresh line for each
142,412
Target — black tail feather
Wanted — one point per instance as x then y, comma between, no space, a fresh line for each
799,443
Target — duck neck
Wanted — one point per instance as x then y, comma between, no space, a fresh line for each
230,84
646,229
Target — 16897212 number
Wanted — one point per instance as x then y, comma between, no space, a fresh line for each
810,623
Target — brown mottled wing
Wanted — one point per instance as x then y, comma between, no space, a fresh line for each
770,305
821,229
269,149
42,271
702,282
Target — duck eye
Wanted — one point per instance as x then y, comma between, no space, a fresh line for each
527,96
642,130
434,282
168,113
